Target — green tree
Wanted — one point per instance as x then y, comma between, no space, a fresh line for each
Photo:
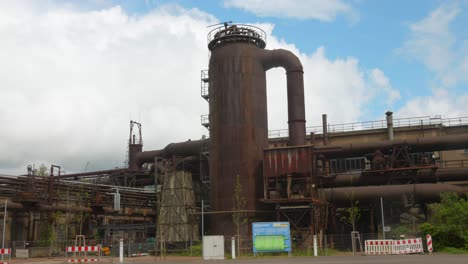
448,221
43,171
239,216
353,214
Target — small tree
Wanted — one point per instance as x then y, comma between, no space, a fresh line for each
43,171
353,215
238,216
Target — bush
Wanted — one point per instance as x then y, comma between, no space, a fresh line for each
448,223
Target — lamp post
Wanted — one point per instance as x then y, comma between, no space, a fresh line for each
383,220
4,225
203,226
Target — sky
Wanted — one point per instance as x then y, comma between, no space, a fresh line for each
74,73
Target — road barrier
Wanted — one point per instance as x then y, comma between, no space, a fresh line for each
82,249
429,243
398,247
3,252
378,247
408,246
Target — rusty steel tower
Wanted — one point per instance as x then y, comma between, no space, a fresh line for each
238,120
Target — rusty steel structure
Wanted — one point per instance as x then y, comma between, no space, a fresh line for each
295,181
135,144
303,182
238,112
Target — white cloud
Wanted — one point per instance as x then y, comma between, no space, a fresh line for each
70,78
381,81
445,54
341,88
432,42
305,9
440,102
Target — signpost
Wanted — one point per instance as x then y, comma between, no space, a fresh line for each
271,237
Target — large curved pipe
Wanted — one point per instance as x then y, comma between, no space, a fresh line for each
295,85
426,191
181,149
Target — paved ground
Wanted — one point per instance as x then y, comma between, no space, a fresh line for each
416,259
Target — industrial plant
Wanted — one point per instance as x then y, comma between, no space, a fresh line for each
304,175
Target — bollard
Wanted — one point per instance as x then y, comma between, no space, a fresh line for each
121,251
315,245
233,247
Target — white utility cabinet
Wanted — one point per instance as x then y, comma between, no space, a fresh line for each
213,247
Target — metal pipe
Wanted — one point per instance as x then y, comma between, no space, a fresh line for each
383,220
295,86
389,118
450,142
91,173
183,149
325,129
46,207
12,205
425,191
423,176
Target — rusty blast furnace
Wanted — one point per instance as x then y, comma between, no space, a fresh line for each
238,113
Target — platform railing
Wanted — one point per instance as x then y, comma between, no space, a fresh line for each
378,124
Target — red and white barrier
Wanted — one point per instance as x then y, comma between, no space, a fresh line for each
84,249
385,247
6,251
378,247
429,243
82,260
408,246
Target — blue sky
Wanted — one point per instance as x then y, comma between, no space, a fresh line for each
78,71
375,36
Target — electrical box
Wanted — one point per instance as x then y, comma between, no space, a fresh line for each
213,247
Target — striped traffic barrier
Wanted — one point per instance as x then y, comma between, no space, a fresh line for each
429,243
5,251
402,246
82,260
378,247
407,246
83,249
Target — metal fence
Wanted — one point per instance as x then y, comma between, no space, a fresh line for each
327,245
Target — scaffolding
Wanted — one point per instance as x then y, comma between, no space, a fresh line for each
176,221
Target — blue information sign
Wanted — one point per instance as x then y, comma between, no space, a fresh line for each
271,237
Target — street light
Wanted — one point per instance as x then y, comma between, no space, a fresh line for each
4,225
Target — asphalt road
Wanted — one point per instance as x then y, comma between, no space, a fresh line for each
416,259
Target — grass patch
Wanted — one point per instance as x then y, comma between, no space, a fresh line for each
452,250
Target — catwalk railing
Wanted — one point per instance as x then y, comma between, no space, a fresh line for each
378,124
